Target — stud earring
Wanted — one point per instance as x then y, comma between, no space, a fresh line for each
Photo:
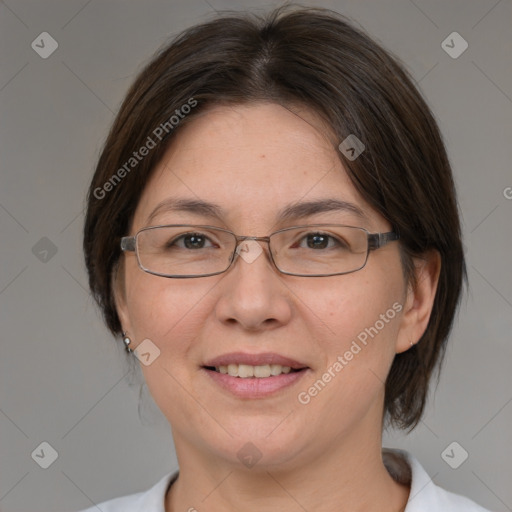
127,342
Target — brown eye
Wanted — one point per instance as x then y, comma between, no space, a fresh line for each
321,241
189,241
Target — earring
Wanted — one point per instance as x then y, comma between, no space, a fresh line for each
127,342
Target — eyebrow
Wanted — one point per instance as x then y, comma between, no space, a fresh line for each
290,212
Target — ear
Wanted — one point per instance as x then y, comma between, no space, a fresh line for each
119,291
419,300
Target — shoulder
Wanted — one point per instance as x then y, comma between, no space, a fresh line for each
425,495
129,503
151,500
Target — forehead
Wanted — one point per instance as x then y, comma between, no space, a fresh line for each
252,160
250,138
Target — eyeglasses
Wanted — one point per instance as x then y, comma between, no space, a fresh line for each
315,250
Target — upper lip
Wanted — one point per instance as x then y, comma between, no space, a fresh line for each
254,360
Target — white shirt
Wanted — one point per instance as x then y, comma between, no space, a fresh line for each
424,495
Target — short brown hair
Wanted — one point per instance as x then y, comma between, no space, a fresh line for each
317,58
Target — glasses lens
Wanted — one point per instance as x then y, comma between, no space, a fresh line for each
184,250
320,250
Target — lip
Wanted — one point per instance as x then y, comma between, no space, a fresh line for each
255,387
255,360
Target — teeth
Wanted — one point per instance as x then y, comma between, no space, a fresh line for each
262,371
233,370
245,371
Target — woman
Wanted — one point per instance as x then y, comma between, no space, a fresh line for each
272,230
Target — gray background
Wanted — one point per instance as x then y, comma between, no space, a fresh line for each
65,381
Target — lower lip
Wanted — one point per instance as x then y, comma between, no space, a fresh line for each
255,387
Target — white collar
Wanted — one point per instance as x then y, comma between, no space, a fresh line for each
424,496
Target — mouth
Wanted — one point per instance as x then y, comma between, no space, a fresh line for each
254,375
246,371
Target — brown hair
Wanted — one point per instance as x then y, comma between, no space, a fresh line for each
317,58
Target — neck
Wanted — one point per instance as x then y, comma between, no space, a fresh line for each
339,479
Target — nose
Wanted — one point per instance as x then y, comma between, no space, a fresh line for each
252,293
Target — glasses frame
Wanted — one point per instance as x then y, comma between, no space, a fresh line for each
375,241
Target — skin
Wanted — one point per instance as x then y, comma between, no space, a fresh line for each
253,160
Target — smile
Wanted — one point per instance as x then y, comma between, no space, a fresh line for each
245,371
268,374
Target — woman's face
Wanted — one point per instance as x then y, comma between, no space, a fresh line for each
254,161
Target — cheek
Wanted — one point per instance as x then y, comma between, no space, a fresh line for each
165,311
359,320
170,313
350,305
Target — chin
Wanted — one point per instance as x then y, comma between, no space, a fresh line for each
263,442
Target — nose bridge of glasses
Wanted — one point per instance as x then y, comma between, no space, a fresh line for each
242,239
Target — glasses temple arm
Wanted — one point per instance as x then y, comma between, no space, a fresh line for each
377,240
128,243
